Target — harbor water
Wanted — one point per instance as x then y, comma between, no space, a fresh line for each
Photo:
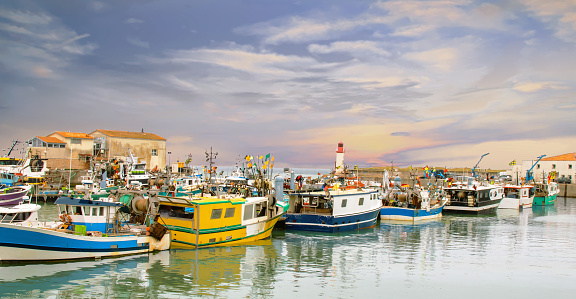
516,254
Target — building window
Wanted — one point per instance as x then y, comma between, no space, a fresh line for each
154,152
75,141
553,166
569,166
538,166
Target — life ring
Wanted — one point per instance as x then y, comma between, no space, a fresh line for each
66,219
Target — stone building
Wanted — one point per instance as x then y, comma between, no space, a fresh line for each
148,147
63,150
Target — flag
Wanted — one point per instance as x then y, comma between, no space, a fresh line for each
512,163
268,157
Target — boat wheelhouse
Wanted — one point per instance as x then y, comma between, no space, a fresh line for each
219,221
545,193
472,197
517,197
333,210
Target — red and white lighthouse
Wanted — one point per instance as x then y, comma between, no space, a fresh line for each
340,158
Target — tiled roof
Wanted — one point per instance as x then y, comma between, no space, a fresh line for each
565,157
50,139
74,135
134,135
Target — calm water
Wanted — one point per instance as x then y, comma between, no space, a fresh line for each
527,254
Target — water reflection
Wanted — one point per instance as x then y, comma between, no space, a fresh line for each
463,254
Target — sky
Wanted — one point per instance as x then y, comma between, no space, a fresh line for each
398,82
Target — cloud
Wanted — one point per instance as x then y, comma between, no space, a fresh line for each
301,29
355,47
444,59
138,42
560,15
400,134
26,17
538,86
133,21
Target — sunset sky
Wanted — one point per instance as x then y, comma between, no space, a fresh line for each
413,82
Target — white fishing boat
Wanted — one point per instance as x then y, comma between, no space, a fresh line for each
472,197
517,197
87,229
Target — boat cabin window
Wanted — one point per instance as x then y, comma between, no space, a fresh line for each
14,217
95,212
248,212
87,211
260,208
511,193
229,212
483,195
216,214
361,201
344,202
176,212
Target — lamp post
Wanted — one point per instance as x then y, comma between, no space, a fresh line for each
169,162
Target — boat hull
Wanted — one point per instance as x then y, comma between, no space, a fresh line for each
486,207
406,214
13,198
183,237
21,243
545,200
330,223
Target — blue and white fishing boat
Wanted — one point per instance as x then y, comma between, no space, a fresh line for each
333,210
411,204
406,203
88,229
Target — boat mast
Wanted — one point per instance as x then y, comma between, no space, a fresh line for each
14,142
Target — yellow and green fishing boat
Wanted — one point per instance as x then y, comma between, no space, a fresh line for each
216,221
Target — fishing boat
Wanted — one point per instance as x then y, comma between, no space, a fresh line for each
517,197
407,203
333,210
13,195
545,193
197,222
87,229
472,197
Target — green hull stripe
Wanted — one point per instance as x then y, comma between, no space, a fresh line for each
212,230
221,242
